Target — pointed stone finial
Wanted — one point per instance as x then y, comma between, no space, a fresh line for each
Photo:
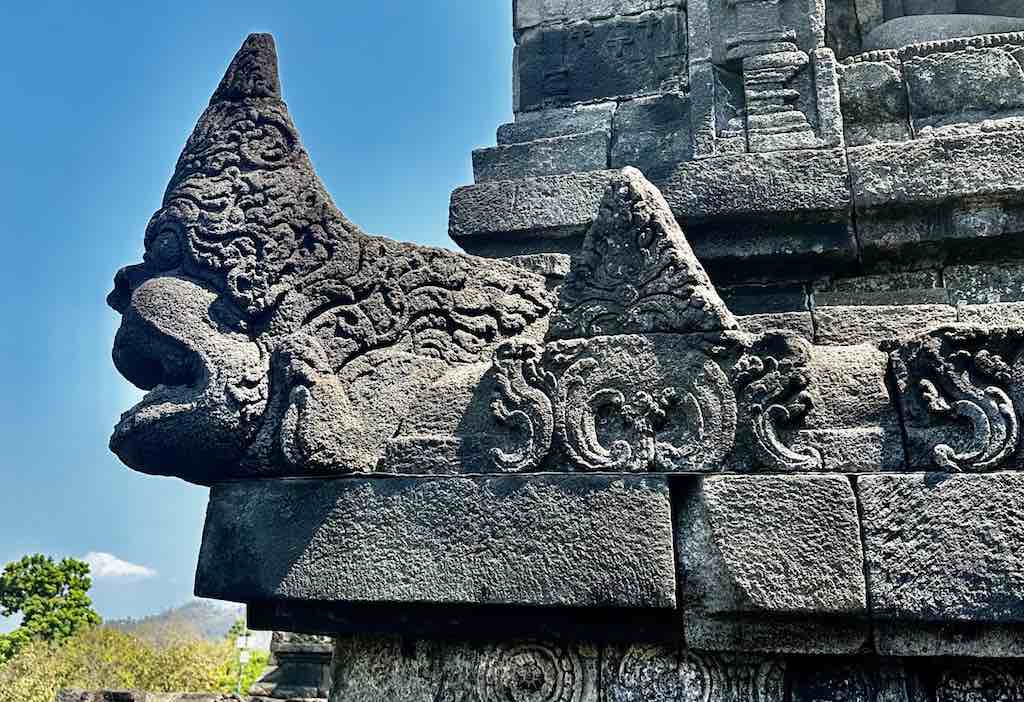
637,273
252,73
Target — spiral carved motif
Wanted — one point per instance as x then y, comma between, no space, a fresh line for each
653,673
531,672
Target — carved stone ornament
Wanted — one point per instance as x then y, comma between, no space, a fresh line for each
273,335
959,391
636,400
277,339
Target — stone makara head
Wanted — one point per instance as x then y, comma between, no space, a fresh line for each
268,330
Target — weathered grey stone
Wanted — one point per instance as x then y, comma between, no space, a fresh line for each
530,13
545,541
944,548
759,184
874,101
798,323
992,283
765,299
636,273
370,669
299,668
772,563
556,122
980,681
853,422
903,31
722,200
836,326
960,390
534,215
930,640
932,171
859,679
587,61
652,134
969,85
931,197
564,154
1007,314
275,337
904,288
663,673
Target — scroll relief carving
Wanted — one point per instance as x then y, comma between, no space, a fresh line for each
959,392
278,338
653,672
664,403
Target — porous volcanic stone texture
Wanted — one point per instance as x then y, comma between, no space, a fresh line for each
945,548
755,551
555,541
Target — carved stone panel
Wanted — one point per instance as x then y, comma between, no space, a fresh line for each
960,394
588,60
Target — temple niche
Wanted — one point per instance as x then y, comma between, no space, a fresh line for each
722,402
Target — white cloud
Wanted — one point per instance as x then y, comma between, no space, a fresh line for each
106,565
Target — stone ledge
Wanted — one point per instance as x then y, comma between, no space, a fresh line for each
539,541
944,551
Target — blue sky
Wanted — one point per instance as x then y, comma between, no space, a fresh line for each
99,97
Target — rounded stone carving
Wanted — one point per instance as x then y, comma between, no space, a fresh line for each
531,672
655,673
976,682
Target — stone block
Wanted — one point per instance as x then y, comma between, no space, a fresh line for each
652,134
593,60
842,326
939,169
759,184
798,323
874,101
854,422
988,283
940,197
371,669
556,122
964,82
564,154
738,212
534,215
860,679
530,13
572,541
947,638
905,288
772,563
944,549
765,299
665,673
1006,314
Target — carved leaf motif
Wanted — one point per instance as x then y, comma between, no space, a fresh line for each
995,428
774,395
623,403
636,273
523,403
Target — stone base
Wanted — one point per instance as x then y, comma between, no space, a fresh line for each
397,670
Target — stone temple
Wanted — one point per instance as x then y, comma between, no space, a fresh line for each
723,402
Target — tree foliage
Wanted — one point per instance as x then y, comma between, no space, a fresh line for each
103,658
51,598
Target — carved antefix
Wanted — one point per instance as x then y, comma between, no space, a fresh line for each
277,339
960,394
658,380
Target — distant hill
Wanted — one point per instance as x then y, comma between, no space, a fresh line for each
200,618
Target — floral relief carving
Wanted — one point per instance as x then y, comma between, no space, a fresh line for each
957,389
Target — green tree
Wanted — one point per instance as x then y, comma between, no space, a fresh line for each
51,598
